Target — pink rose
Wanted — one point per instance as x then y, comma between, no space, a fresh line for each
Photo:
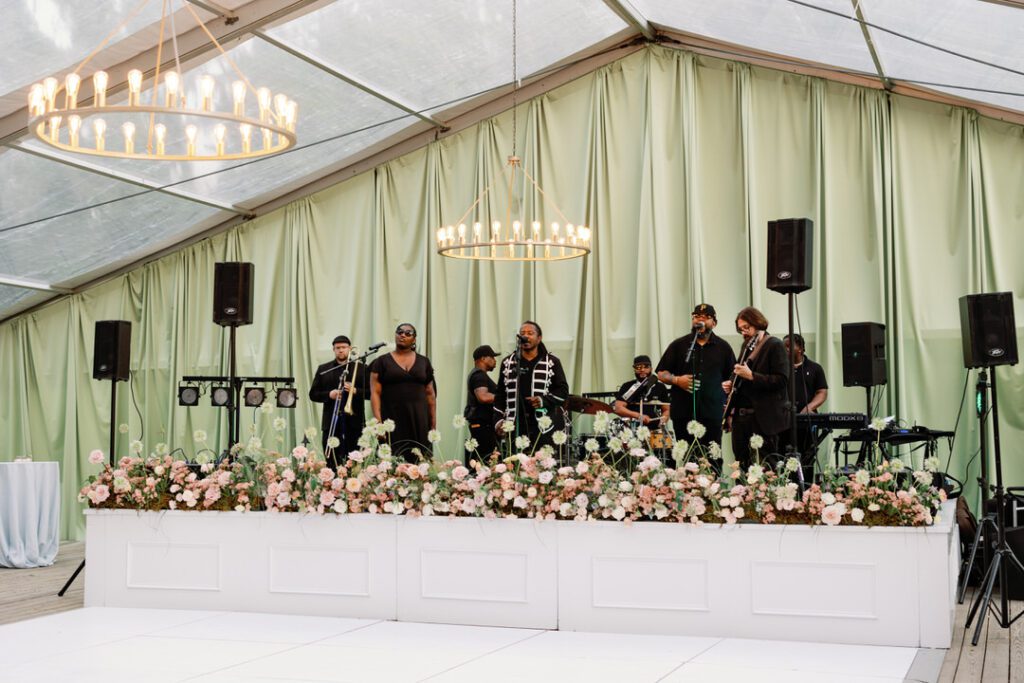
288,475
832,515
283,499
96,457
325,475
460,473
327,498
353,485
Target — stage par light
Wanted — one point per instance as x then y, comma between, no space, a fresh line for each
287,397
254,397
220,396
188,395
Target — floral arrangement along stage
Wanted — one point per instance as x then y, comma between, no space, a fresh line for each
626,483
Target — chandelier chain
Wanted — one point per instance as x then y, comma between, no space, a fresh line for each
515,74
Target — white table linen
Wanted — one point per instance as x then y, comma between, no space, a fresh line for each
29,514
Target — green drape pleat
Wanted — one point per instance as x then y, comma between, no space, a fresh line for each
677,160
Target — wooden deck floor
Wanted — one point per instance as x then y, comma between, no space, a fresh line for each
29,593
999,655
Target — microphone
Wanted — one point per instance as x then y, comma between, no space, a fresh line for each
374,347
699,327
520,339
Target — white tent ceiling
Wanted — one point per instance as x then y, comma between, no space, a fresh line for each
375,78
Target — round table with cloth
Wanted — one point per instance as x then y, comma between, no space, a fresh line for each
29,514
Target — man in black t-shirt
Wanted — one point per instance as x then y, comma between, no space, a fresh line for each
480,391
811,391
642,390
696,385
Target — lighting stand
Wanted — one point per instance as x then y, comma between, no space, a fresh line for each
1003,558
987,526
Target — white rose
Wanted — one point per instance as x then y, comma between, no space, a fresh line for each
756,442
433,436
828,498
857,515
458,422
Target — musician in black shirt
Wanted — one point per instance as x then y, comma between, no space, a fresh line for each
760,404
643,390
331,385
696,386
811,390
480,391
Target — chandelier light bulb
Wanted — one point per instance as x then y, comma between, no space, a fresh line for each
54,127
50,86
218,134
206,87
36,100
160,130
99,127
134,87
268,138
440,237
291,115
74,125
128,128
99,88
191,132
172,82
263,97
238,96
246,132
71,84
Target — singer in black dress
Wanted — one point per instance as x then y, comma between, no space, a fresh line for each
402,389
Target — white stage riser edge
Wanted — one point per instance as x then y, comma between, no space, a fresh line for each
882,586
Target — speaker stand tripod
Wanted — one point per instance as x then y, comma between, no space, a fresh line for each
1003,558
987,526
113,414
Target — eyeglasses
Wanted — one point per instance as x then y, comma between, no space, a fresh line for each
406,333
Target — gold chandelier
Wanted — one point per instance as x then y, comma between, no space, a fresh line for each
517,239
176,124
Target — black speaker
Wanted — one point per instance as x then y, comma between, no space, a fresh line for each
863,354
790,257
988,329
232,294
112,350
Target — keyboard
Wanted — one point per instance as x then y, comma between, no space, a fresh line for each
833,420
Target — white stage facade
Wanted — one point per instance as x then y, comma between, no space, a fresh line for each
855,585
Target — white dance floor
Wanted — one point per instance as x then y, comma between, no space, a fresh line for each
109,645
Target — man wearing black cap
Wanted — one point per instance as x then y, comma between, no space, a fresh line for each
331,385
480,402
694,367
643,390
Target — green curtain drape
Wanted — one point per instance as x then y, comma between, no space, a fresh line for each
677,160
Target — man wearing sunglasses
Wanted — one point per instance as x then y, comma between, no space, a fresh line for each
640,392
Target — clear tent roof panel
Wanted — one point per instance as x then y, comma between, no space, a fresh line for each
60,33
61,249
432,54
979,30
328,108
775,26
13,299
